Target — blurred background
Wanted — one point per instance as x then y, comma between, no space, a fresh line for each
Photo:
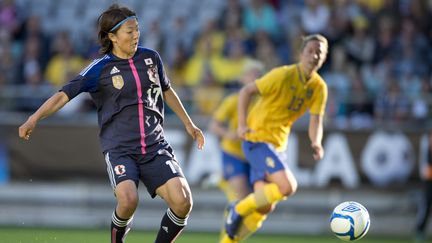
378,115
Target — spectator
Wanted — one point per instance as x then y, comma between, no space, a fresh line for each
261,16
31,29
384,39
393,106
360,105
420,109
154,37
9,16
7,64
232,14
315,17
412,51
360,45
31,67
265,50
179,34
65,63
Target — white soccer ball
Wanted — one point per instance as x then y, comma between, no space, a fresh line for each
350,221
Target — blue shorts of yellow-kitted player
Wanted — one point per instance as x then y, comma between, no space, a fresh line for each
152,169
233,166
263,159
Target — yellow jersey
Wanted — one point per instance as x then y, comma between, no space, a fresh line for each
227,113
285,95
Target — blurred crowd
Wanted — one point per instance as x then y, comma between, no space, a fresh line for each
378,69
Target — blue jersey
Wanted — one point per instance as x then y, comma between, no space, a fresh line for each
129,101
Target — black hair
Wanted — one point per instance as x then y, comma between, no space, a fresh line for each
107,20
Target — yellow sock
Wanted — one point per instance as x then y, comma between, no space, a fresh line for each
222,232
267,195
250,225
231,196
226,239
225,188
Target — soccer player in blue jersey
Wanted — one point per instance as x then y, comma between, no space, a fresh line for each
129,87
285,93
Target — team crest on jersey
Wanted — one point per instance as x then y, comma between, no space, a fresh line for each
117,81
309,93
270,162
153,74
120,170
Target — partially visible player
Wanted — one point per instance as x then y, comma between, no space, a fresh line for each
129,87
285,94
235,183
425,202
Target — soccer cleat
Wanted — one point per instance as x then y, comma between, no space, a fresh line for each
233,221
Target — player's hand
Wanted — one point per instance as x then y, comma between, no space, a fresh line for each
242,130
196,134
318,151
25,130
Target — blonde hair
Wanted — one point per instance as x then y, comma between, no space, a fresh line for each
314,37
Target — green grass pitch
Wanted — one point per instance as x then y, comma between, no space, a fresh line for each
31,235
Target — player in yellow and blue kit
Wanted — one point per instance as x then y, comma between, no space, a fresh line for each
235,183
224,125
285,94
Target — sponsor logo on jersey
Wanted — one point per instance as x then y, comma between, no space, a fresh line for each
117,81
114,70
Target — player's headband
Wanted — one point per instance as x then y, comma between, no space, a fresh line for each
121,22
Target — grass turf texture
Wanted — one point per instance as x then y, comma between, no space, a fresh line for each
31,235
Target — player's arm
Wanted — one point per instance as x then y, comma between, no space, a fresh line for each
315,135
221,116
52,105
245,97
221,130
173,101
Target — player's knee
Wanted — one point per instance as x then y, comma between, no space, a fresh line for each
288,188
128,201
266,209
183,206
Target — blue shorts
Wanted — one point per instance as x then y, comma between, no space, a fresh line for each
263,159
152,169
233,166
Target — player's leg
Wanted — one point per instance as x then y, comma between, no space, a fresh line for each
236,176
253,221
123,174
424,211
177,195
127,201
265,161
281,184
236,188
163,176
